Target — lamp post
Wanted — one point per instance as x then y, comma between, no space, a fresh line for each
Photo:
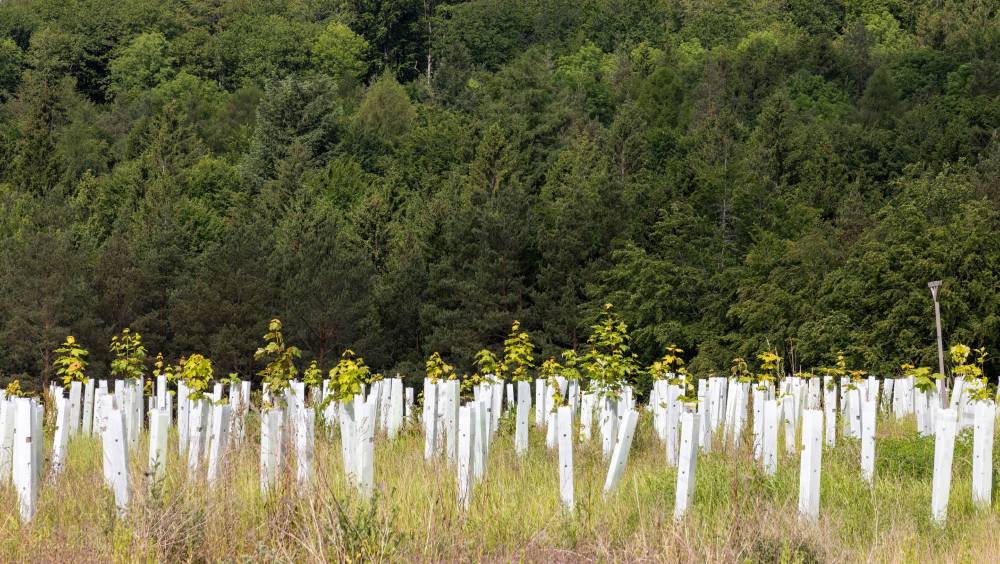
940,343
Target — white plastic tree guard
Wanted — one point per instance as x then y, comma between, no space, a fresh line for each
305,440
409,411
565,423
672,429
7,424
587,402
496,407
608,424
87,425
159,425
704,415
852,418
270,448
551,439
658,404
182,417
197,424
385,405
481,441
789,411
218,439
982,453
830,411
740,412
477,439
395,417
769,438
869,418
619,458
809,469
75,406
60,437
113,441
758,423
366,449
944,451
25,461
521,418
430,419
541,385
888,389
449,407
464,466
687,462
348,439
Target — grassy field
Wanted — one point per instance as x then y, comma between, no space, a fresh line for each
738,514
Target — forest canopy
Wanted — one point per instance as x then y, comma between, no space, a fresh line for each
404,177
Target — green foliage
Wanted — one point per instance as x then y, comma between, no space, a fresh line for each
279,358
11,65
340,52
770,367
197,373
740,370
671,366
71,361
550,371
436,369
348,377
608,362
13,389
129,355
405,177
312,375
518,354
385,112
487,363
571,365
144,63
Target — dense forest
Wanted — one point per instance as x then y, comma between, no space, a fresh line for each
408,176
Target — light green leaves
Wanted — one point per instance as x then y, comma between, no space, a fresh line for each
130,355
348,377
280,358
71,362
518,353
197,374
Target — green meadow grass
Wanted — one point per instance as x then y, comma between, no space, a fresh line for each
738,513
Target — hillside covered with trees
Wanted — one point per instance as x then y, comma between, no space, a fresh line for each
410,176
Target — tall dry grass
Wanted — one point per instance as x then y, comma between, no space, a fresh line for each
738,513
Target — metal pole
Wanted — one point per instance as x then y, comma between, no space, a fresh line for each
942,393
942,390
